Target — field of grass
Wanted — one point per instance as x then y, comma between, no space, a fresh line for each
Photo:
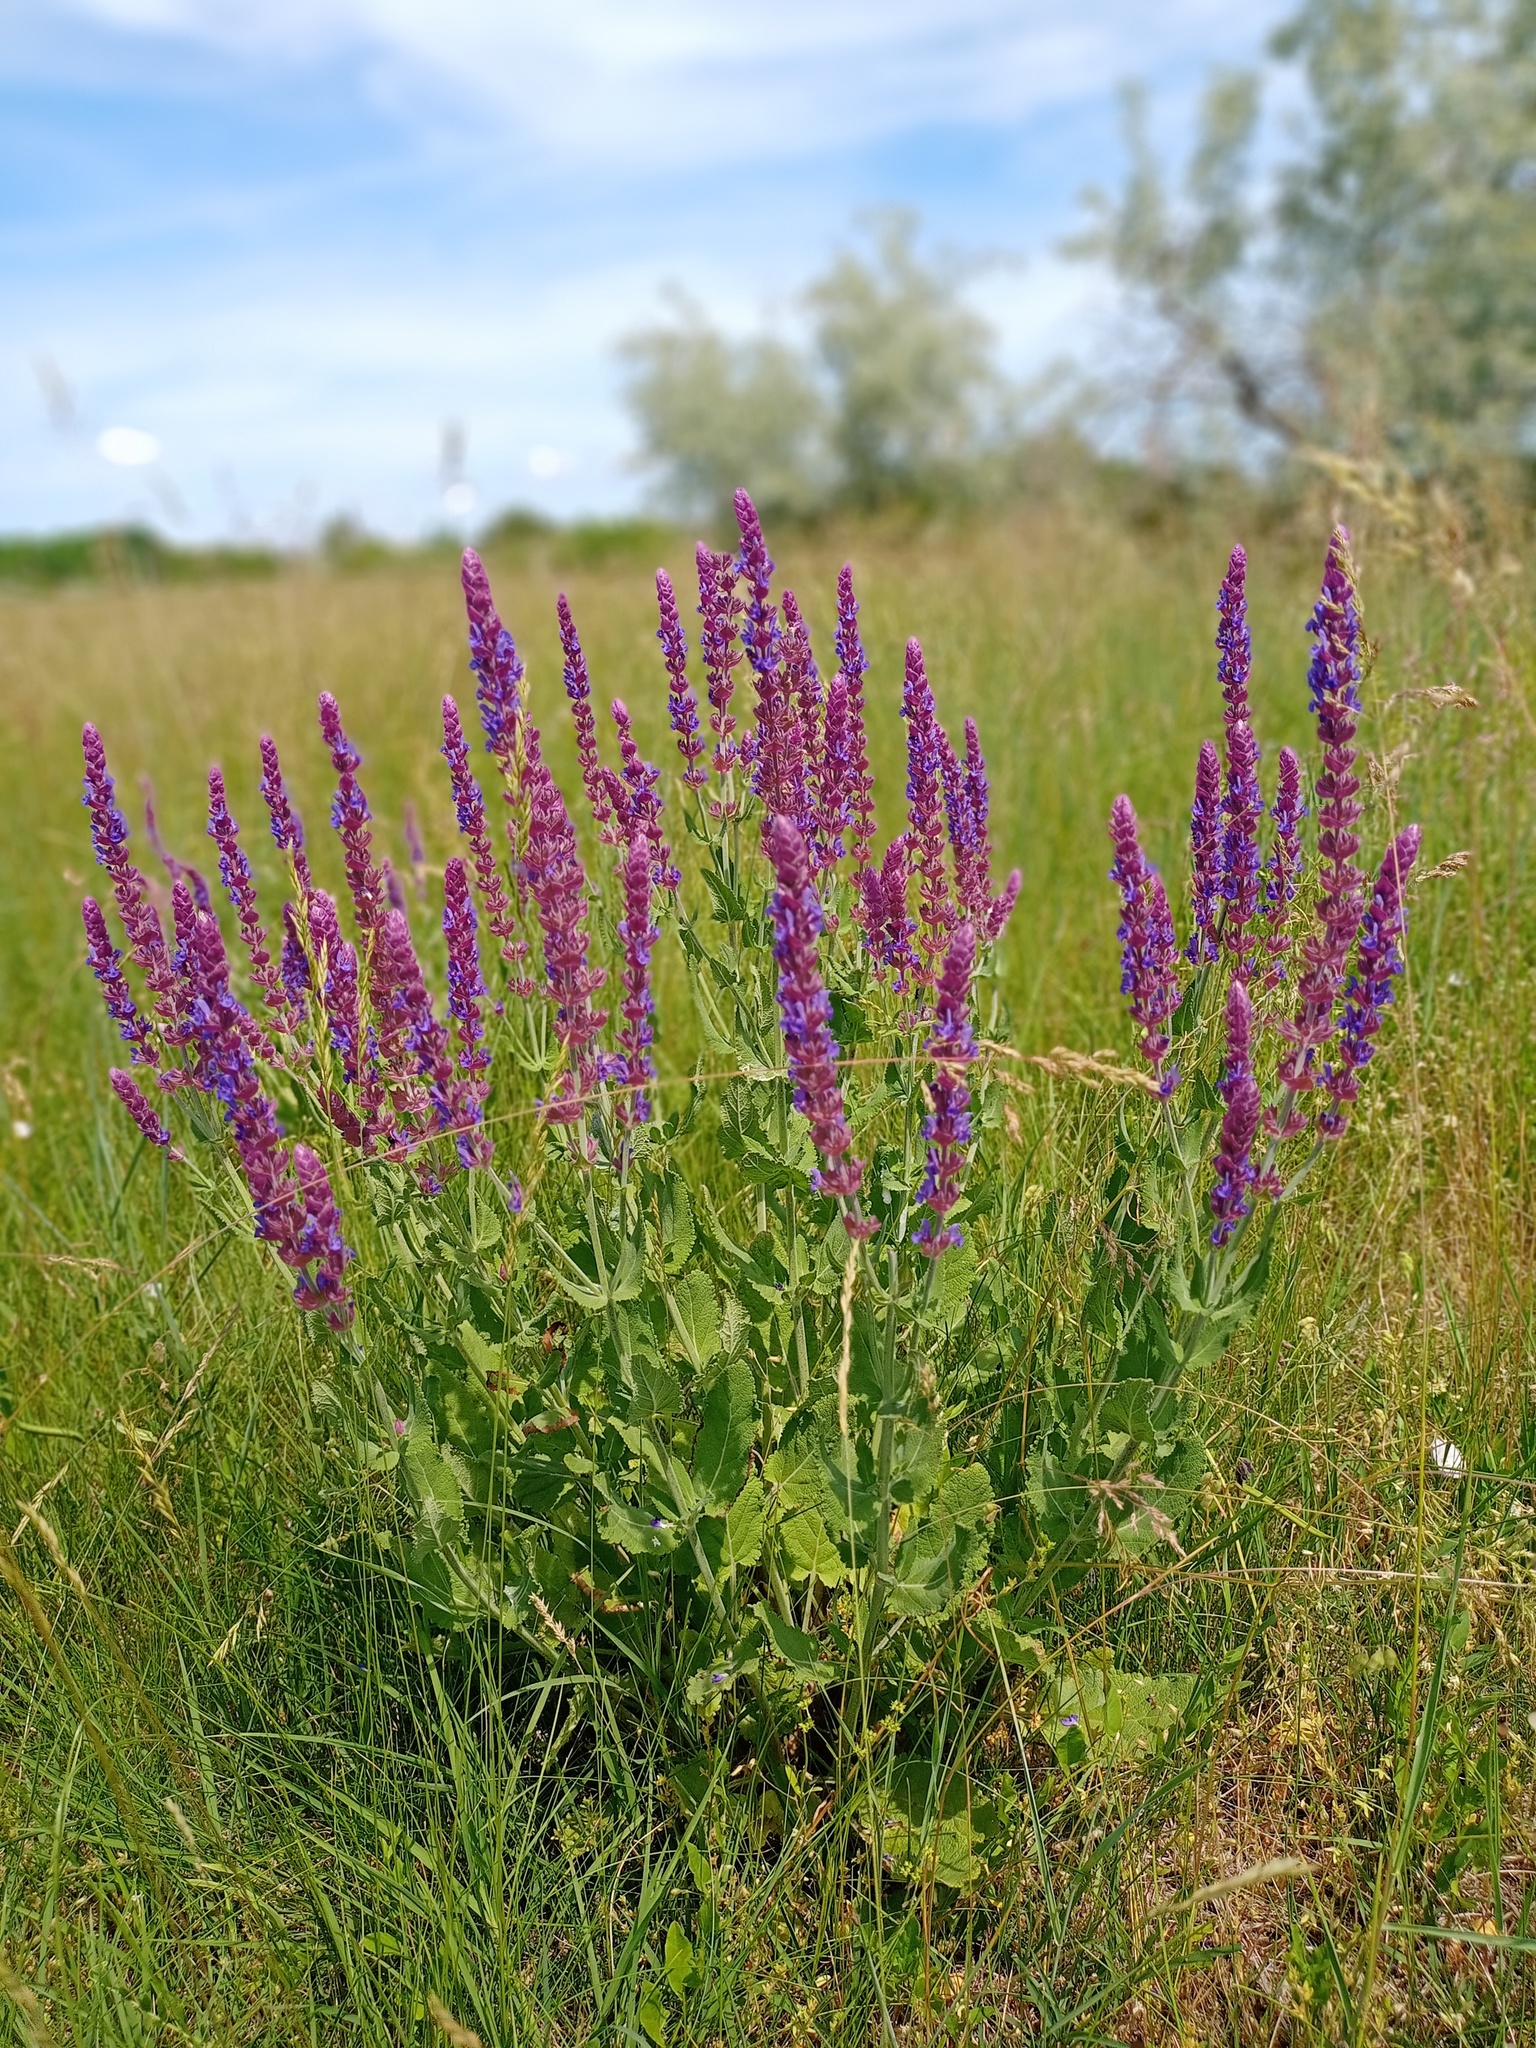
242,1801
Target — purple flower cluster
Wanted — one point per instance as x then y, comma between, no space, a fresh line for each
240,886
106,963
805,1009
1334,681
1282,873
578,688
1149,950
883,913
852,667
466,992
469,808
352,820
720,610
1205,856
1368,991
682,704
287,826
925,821
494,659
947,1130
557,882
637,935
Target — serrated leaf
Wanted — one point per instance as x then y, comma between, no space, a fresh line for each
655,1391
640,1533
678,1234
727,1431
809,1551
695,1313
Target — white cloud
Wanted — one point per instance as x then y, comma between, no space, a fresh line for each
655,84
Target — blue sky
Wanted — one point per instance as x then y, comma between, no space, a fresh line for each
292,239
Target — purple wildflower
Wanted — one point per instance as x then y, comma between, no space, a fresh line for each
1241,863
1234,644
720,610
312,1243
638,935
240,885
493,657
1239,1039
558,884
469,807
1205,855
141,1109
413,1054
105,962
803,703
1378,962
109,842
178,870
1334,678
925,826
352,819
466,989
416,852
682,704
951,1047
805,1009
1149,949
578,688
287,826
833,777
883,913
1234,1159
1283,872
852,666
639,805
296,977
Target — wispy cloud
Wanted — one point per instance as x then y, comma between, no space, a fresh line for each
290,238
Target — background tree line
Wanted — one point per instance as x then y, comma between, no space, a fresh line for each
1346,263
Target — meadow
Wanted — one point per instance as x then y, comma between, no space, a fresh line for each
244,1797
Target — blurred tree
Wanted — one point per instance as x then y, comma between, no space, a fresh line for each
896,397
1377,292
714,413
914,391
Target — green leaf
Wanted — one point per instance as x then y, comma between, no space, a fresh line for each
641,1534
809,1551
656,1393
677,1962
430,1479
736,1538
793,1647
726,1434
695,1313
651,2017
678,1235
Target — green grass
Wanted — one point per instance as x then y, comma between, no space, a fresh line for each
240,1801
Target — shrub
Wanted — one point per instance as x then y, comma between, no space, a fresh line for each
751,1409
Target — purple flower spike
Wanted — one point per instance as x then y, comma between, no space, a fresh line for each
142,1110
1241,863
1234,1159
1282,875
853,666
287,826
1378,963
803,701
720,610
638,804
925,819
951,1047
834,776
469,807
414,1057
466,991
884,913
682,704
1234,645
296,978
1149,956
352,819
1239,1039
493,657
105,962
415,851
109,842
578,688
1205,855
638,935
558,884
805,1009
178,870
240,885
316,1247
1334,678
